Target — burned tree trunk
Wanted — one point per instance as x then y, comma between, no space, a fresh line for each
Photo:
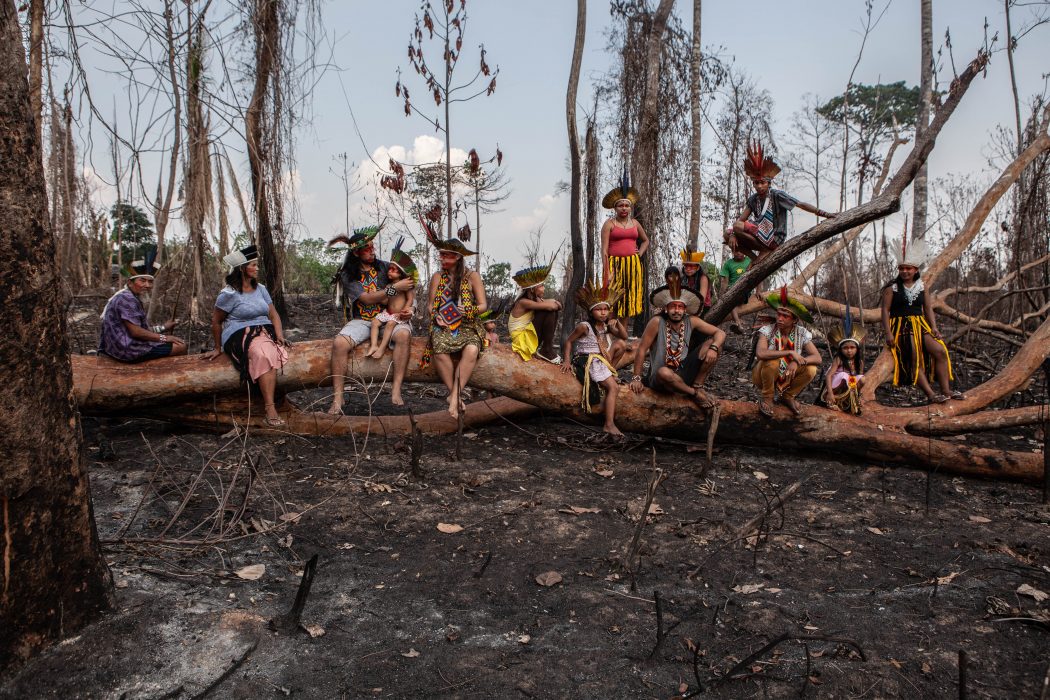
104,386
579,266
53,577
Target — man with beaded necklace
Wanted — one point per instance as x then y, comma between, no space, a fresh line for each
668,341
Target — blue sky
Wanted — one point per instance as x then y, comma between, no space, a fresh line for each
788,48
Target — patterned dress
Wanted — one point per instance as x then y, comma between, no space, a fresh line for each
908,325
461,329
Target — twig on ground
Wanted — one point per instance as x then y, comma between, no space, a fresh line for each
289,622
632,549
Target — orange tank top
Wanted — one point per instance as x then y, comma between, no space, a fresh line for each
623,242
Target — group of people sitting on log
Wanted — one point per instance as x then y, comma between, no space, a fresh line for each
679,347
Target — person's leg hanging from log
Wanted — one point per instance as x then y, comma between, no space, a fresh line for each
546,325
609,406
402,338
342,346
764,377
468,358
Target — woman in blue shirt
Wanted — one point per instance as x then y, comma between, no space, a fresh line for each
246,327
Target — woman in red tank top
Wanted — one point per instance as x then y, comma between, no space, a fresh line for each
624,241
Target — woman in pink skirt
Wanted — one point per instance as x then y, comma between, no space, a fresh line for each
246,327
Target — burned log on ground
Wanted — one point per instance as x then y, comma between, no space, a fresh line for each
109,388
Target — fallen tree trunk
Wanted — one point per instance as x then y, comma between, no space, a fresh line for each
977,422
107,387
225,413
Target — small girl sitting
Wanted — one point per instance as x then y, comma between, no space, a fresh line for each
845,377
401,266
593,361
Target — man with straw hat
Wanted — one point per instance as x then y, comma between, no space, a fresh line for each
125,333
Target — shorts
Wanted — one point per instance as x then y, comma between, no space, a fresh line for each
358,330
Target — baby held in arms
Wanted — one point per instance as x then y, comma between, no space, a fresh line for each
394,313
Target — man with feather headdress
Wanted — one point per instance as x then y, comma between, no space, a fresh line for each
362,290
125,333
762,225
669,340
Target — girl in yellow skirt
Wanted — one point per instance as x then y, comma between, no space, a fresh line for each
624,242
919,352
533,320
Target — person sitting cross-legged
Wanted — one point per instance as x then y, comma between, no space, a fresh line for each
787,358
668,341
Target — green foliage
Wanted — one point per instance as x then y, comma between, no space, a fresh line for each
310,265
133,228
873,108
497,280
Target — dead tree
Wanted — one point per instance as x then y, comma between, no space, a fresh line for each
579,266
53,579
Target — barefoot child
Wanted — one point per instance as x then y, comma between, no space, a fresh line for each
592,361
399,305
845,377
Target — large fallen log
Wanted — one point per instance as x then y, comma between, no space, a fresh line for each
106,387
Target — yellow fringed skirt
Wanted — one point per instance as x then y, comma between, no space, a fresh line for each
628,273
909,353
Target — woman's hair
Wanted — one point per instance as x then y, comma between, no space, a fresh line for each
236,278
856,365
457,278
898,281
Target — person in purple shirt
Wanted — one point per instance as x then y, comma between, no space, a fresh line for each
126,334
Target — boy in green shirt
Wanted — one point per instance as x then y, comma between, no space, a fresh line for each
733,269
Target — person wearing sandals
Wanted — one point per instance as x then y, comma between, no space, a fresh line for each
919,353
533,320
787,358
668,340
246,327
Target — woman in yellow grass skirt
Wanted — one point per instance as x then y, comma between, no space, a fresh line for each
919,352
533,320
624,242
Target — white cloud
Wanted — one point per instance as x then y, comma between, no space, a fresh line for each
523,224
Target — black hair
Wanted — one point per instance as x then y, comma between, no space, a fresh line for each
457,278
898,281
856,365
236,278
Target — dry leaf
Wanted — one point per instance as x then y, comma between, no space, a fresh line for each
549,578
945,580
314,631
811,628
578,510
1039,595
410,654
449,528
979,519
746,588
604,473
875,531
926,668
773,590
251,573
290,517
760,476
524,639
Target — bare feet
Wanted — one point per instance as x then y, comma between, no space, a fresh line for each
395,398
703,399
371,349
377,354
613,430
336,409
454,404
792,405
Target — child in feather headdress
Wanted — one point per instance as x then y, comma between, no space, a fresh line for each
845,377
401,267
762,225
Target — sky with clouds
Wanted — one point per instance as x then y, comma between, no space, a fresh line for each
788,48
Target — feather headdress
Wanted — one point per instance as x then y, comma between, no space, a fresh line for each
452,245
593,294
689,255
241,257
757,164
361,238
781,300
846,332
146,267
674,291
622,191
403,261
915,254
533,276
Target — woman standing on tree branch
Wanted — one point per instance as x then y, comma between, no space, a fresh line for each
919,353
624,242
